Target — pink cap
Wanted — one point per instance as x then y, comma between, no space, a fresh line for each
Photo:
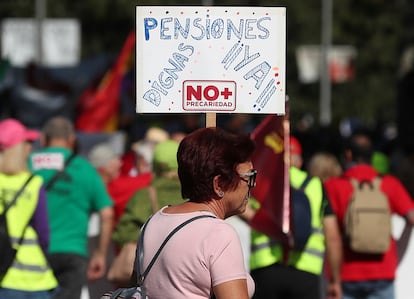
13,132
295,147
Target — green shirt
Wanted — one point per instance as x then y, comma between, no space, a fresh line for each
79,192
139,208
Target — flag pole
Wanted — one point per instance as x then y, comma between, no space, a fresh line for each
325,80
40,15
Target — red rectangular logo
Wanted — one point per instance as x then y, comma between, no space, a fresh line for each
206,95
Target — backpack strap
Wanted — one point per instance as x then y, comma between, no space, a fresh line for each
17,194
354,183
305,182
143,274
374,183
59,173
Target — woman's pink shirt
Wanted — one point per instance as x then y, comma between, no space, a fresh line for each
205,253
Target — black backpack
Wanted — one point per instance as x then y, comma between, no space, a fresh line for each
301,215
7,252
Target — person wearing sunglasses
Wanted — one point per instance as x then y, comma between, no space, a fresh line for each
249,178
205,258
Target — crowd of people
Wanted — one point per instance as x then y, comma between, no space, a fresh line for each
161,182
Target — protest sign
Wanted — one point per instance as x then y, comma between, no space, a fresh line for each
210,59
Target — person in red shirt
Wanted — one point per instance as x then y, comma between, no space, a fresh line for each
364,275
121,186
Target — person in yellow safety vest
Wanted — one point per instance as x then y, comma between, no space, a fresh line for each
29,276
299,277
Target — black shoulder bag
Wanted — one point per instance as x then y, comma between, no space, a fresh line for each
139,291
7,251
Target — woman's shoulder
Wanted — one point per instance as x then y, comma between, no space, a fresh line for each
215,229
202,221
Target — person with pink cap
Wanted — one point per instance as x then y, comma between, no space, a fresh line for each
29,276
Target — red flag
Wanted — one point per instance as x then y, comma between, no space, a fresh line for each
99,105
272,189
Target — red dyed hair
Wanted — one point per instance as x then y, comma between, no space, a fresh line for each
206,153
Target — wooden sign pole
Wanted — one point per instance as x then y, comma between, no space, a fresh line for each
210,119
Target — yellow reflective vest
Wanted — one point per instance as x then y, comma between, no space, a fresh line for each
30,270
265,251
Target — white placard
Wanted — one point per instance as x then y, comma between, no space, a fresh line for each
18,41
211,59
60,42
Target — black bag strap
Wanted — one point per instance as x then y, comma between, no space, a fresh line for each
142,274
305,182
17,194
60,172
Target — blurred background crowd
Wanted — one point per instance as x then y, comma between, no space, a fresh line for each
81,64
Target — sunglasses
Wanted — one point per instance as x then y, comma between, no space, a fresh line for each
251,181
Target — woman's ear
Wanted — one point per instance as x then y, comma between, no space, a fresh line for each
216,187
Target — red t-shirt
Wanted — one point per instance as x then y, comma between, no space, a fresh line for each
123,187
356,266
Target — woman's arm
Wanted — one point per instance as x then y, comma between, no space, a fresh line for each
234,289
